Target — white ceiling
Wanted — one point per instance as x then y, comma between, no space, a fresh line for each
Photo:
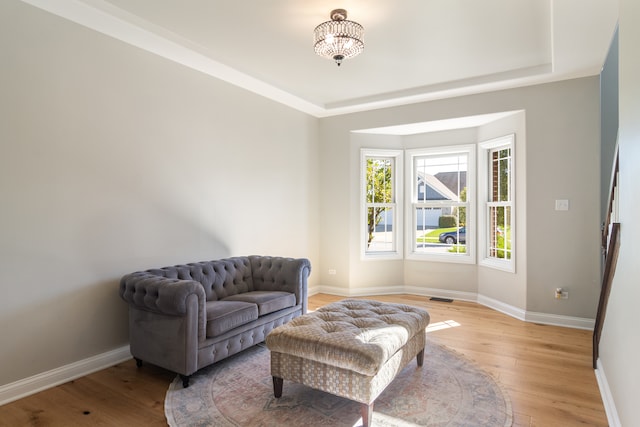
415,50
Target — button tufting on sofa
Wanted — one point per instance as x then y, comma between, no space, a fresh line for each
169,325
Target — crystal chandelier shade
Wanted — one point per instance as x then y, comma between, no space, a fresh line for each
339,38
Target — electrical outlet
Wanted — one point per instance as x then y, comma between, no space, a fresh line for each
332,271
562,205
564,295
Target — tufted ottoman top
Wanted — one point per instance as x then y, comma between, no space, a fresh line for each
358,335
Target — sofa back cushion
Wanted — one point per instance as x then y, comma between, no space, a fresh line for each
220,278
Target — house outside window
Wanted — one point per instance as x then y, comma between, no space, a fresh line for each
441,203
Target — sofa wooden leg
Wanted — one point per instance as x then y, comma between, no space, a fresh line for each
277,387
138,362
185,380
420,358
367,414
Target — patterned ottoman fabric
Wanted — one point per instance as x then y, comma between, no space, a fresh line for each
344,382
351,348
356,335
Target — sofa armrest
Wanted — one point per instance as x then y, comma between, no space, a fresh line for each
281,274
162,295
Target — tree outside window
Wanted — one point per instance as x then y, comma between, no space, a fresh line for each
379,196
381,178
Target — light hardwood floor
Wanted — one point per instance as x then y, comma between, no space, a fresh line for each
546,371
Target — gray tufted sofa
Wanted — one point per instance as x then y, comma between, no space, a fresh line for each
186,317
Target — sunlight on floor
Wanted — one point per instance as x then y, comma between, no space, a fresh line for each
387,420
442,325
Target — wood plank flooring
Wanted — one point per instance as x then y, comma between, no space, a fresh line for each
545,369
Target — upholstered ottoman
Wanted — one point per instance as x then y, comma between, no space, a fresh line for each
351,348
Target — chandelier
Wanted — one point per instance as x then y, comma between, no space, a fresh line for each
339,38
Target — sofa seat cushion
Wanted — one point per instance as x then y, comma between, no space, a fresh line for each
267,301
222,316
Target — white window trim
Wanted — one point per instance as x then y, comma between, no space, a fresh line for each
397,224
410,233
483,198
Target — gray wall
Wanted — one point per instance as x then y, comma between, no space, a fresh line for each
561,161
609,120
620,343
112,160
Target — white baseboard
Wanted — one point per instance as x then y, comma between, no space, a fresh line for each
331,290
61,375
559,320
534,317
440,293
396,290
313,290
510,310
360,292
607,398
502,307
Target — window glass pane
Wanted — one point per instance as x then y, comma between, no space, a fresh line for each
440,177
380,229
504,180
494,213
506,246
461,213
436,235
500,175
500,232
495,188
379,183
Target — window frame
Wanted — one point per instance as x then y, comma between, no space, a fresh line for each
484,196
398,204
469,257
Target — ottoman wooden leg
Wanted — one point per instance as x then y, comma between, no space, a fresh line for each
420,357
277,387
367,414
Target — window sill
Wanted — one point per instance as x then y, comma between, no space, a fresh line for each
508,266
382,256
458,259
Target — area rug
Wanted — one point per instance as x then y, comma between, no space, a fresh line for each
449,390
